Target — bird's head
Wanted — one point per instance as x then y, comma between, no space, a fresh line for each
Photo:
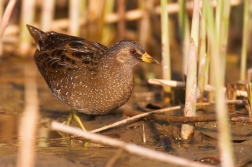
131,53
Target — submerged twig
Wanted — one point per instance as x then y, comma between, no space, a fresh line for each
131,148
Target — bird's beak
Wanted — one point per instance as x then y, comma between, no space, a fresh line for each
148,59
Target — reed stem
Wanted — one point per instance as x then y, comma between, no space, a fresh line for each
166,65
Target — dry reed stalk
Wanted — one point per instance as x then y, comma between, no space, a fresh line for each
201,77
121,22
29,121
249,75
245,37
47,14
5,20
74,14
171,8
187,130
108,31
95,19
249,90
27,17
202,61
231,92
184,28
191,78
6,16
166,64
224,28
144,30
163,82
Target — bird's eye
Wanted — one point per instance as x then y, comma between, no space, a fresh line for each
132,51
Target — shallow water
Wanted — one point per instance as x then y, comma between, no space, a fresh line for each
51,147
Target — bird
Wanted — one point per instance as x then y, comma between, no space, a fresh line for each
88,76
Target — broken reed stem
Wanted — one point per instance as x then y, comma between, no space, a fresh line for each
172,83
191,80
191,75
131,148
29,121
191,89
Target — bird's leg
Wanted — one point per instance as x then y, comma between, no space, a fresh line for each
69,118
76,117
67,122
73,115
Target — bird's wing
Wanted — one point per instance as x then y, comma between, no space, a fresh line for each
74,56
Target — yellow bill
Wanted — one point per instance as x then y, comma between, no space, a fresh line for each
148,59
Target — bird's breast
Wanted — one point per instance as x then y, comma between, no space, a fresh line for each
96,94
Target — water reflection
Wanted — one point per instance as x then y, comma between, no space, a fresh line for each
8,127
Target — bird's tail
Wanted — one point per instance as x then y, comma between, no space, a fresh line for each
39,37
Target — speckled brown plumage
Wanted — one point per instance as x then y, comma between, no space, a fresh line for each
87,76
